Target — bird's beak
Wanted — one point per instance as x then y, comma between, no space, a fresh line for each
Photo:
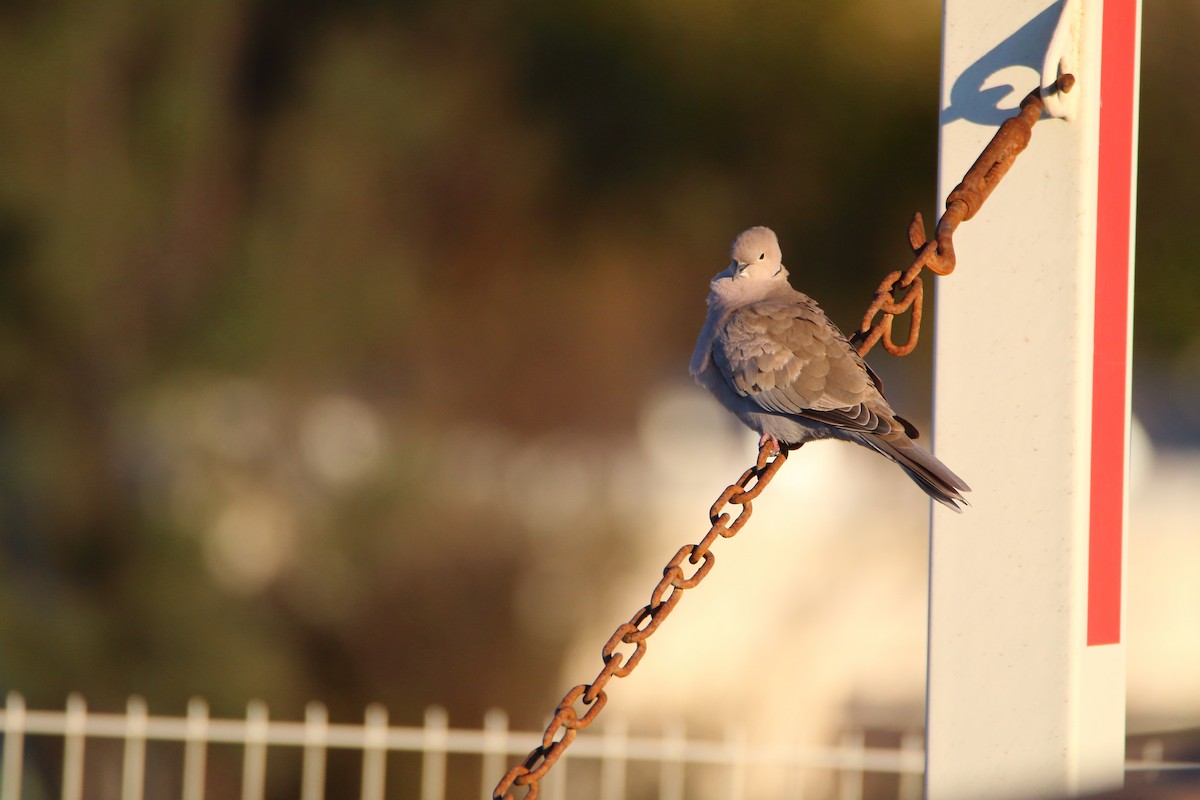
735,268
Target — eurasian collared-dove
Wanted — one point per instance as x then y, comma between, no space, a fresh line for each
773,358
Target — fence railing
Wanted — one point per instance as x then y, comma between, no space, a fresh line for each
612,750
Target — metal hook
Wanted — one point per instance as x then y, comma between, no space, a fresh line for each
1062,54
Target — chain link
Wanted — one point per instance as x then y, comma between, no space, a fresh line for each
961,204
642,625
938,255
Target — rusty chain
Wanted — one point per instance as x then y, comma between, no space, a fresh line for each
962,204
642,624
938,255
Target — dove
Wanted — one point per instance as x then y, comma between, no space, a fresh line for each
771,356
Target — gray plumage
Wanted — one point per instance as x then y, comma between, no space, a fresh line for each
773,358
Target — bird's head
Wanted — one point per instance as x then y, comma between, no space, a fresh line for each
756,256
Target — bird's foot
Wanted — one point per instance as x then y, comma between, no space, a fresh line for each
766,440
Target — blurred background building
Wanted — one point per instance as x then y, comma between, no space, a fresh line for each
343,353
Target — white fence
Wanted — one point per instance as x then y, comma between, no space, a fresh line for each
611,753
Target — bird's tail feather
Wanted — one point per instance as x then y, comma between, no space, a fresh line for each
938,481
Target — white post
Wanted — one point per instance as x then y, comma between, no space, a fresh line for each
133,773
613,760
74,734
433,753
495,749
671,767
1026,693
375,736
254,760
195,750
14,747
316,742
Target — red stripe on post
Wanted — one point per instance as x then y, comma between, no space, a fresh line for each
1110,358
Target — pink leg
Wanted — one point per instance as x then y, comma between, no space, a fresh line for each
765,438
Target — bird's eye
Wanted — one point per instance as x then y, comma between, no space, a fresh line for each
761,256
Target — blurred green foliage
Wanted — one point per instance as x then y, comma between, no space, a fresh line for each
496,215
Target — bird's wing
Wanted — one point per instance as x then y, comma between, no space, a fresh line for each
787,357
